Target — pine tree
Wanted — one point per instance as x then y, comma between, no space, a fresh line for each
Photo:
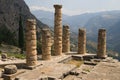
21,35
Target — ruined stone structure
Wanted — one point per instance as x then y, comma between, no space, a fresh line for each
66,39
101,50
46,44
31,53
58,30
82,41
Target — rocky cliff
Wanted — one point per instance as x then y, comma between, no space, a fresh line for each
10,11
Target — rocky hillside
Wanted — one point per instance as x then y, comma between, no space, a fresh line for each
10,11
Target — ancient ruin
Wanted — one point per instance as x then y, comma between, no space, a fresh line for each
58,30
72,66
31,53
82,41
66,39
46,44
101,49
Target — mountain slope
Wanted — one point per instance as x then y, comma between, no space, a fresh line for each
48,17
10,11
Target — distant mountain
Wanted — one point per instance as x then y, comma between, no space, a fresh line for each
47,17
110,20
10,11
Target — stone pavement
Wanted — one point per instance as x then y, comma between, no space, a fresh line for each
104,71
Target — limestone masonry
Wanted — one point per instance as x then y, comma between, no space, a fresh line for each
58,30
101,43
66,39
82,41
46,44
31,53
68,66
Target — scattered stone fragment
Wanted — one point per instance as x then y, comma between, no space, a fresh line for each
4,56
10,69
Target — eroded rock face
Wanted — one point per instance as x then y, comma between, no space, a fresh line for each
10,11
10,69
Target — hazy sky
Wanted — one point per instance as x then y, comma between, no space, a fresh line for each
74,7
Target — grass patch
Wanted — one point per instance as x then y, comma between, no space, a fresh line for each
87,70
78,63
16,55
19,56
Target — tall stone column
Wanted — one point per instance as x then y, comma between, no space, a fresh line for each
101,50
58,30
66,39
82,41
46,44
31,53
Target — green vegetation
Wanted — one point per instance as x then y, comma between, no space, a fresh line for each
16,55
7,36
78,63
87,70
21,35
19,56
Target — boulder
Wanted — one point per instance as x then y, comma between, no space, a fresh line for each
10,69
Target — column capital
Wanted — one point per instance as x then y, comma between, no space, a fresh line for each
57,6
31,21
102,29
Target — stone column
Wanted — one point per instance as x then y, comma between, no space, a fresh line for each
66,39
46,44
58,30
82,41
101,50
31,53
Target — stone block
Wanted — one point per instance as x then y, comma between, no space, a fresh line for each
10,69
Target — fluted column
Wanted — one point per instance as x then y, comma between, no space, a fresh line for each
82,41
46,44
31,53
66,39
101,50
58,30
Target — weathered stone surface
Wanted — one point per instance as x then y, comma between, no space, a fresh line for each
4,56
58,30
46,44
101,49
10,69
66,39
31,53
82,41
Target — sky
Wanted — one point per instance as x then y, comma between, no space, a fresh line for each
75,7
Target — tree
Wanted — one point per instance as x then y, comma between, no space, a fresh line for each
21,35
